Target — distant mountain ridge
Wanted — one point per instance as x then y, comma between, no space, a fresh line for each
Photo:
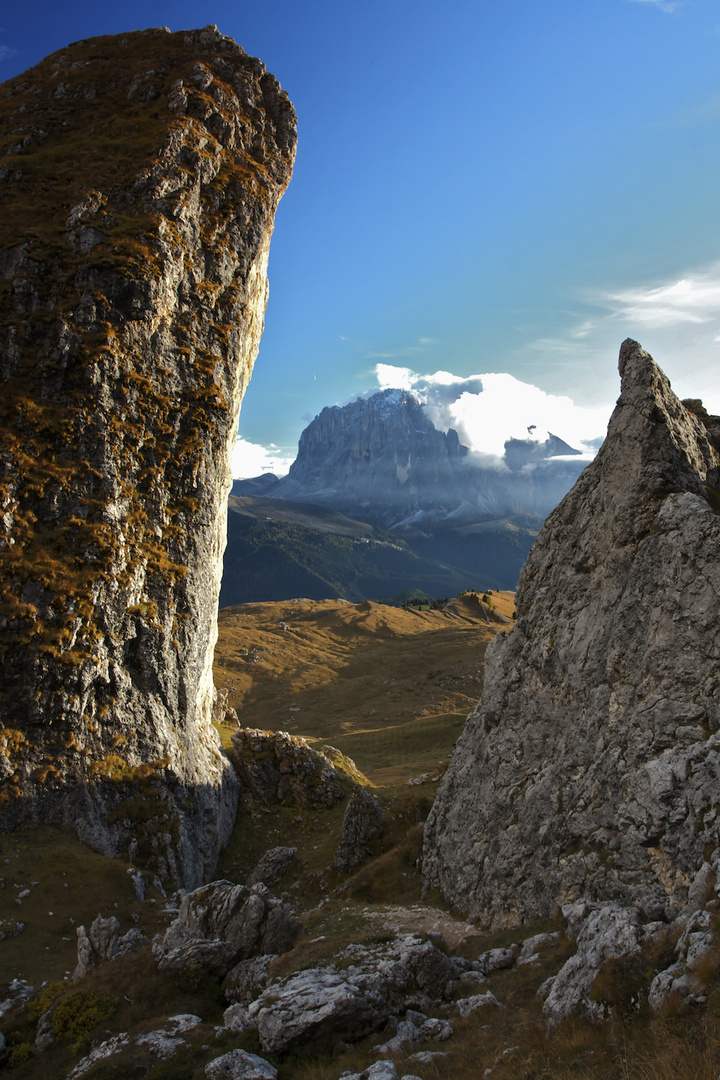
279,549
458,522
383,460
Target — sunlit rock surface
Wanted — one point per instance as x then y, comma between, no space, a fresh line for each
139,182
591,767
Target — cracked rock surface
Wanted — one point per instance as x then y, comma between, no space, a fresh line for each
140,177
591,766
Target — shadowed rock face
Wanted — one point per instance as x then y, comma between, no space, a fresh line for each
140,180
591,766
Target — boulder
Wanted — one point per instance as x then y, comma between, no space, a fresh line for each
272,866
325,1006
240,1065
117,1044
678,982
321,1007
167,1040
97,945
604,932
246,980
18,990
237,1019
362,823
468,1005
45,1034
103,942
221,924
496,960
282,768
530,951
381,1070
416,1027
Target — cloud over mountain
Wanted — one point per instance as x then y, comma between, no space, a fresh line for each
488,409
252,459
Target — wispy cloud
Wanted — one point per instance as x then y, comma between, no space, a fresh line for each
661,5
694,298
404,350
6,52
676,319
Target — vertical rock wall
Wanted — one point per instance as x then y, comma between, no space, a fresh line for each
139,183
591,767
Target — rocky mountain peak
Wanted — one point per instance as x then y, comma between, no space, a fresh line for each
140,176
382,452
381,458
590,767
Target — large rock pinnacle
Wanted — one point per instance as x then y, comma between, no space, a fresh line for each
591,766
140,179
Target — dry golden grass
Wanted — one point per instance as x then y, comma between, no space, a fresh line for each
388,686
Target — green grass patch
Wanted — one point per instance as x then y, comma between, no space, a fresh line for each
69,884
394,754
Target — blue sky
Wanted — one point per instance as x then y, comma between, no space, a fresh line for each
480,187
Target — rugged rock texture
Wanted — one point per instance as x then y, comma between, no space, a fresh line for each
240,1065
103,942
272,866
383,460
362,823
139,182
323,1006
247,980
277,767
604,932
383,452
221,924
591,766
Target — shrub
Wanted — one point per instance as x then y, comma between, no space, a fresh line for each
45,998
76,1016
20,1054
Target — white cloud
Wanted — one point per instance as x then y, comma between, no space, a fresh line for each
488,409
694,298
661,5
6,52
251,459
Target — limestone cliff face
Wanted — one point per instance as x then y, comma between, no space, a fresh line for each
139,182
383,459
591,766
382,453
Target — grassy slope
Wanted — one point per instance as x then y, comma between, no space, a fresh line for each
278,549
385,684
